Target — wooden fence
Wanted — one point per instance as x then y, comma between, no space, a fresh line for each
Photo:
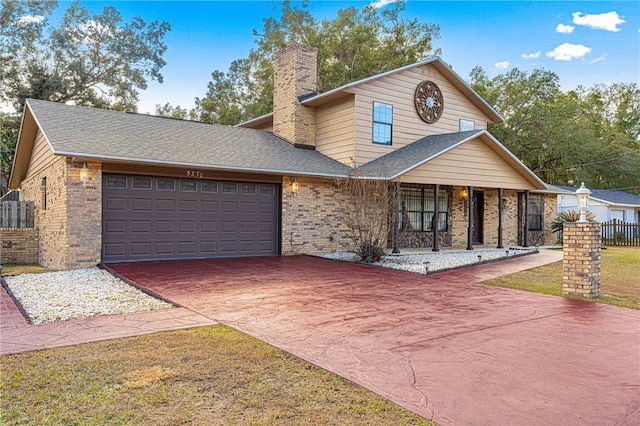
17,214
618,233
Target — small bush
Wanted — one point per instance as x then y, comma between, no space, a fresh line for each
370,252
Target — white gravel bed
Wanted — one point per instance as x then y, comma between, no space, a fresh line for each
437,260
59,296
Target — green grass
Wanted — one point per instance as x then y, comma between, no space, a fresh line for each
210,376
23,269
619,278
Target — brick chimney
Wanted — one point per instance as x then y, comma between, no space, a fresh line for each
295,75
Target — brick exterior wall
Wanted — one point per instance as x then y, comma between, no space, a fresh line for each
295,74
550,212
70,227
581,261
19,245
312,221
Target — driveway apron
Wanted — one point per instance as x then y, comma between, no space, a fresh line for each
441,345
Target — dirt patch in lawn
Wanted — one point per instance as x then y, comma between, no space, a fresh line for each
210,375
619,278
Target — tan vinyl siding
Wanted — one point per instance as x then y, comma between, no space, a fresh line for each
335,130
398,90
41,156
472,163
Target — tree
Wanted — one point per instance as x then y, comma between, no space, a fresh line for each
354,45
9,126
96,60
368,212
590,135
91,59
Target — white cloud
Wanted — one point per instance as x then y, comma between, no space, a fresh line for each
568,51
598,59
501,65
565,29
605,21
534,55
29,19
381,3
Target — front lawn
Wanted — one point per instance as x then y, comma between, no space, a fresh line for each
619,278
206,376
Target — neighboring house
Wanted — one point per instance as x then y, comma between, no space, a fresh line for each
605,204
162,188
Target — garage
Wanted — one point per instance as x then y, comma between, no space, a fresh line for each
156,217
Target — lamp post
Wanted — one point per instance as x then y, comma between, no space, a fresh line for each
582,194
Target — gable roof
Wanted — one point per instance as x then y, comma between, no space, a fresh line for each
113,136
437,62
407,158
609,196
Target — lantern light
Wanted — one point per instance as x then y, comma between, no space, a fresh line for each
582,194
84,174
294,187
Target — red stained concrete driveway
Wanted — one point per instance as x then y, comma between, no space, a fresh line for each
441,345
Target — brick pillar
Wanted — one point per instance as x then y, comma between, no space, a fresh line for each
581,261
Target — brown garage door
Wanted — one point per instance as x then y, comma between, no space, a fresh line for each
152,217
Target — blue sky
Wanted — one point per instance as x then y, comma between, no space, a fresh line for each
584,42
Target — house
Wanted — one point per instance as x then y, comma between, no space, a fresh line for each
605,204
161,188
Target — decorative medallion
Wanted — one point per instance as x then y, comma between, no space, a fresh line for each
429,101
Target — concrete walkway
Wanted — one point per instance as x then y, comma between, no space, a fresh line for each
441,345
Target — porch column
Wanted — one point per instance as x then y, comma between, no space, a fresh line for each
436,236
500,194
470,214
396,231
525,239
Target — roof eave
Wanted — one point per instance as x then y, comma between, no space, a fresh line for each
106,158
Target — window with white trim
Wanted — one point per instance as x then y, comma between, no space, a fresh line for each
466,125
382,123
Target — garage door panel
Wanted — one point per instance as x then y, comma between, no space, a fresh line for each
164,248
188,205
115,204
167,218
209,206
165,205
165,226
208,226
140,226
228,246
187,227
116,226
115,249
208,247
141,204
140,248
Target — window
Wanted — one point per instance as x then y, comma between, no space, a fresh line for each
382,122
467,125
188,185
417,209
534,212
209,186
141,183
119,182
44,193
165,184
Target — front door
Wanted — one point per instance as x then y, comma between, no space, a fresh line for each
478,219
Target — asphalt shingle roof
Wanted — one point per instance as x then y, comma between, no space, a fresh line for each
105,134
402,159
609,195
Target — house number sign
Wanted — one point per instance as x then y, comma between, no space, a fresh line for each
195,173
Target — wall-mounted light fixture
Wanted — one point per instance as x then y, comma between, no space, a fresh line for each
582,194
464,194
294,187
84,174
